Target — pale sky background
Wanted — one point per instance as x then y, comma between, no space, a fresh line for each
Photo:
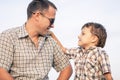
71,16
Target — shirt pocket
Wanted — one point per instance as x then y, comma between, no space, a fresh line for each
91,65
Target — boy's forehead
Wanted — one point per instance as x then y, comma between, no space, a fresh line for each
86,28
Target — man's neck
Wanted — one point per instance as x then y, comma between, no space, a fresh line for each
33,34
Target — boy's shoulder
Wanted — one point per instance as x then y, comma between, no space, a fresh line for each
101,51
74,49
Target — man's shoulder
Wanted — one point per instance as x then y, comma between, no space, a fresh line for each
11,30
51,40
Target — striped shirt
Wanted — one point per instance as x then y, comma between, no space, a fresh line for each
24,61
91,64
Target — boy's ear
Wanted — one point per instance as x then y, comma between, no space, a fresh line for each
95,39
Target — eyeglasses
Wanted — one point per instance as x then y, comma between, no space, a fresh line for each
50,19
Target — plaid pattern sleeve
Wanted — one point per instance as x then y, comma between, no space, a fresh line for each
104,61
72,52
60,59
6,51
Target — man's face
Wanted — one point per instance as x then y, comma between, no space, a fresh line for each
46,20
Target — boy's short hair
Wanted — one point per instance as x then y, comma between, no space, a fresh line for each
40,5
98,30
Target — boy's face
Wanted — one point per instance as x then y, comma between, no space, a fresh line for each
86,38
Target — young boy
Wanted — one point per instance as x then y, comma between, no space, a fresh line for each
91,61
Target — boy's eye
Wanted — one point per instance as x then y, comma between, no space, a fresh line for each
83,33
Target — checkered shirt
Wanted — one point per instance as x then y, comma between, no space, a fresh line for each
24,61
89,65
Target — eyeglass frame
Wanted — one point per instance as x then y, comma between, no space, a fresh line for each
51,20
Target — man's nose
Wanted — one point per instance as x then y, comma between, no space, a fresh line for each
51,26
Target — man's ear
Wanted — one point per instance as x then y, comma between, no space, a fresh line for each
36,15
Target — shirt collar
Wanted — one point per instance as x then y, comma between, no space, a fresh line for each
23,33
91,48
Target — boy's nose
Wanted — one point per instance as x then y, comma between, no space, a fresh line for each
78,36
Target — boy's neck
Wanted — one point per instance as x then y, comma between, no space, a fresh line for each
86,50
88,47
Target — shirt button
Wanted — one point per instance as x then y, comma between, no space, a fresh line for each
85,75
